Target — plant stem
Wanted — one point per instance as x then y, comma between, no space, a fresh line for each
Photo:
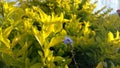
74,59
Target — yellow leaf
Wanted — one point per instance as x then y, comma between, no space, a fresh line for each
110,36
117,35
15,41
100,65
63,32
38,35
47,29
7,31
55,40
57,27
46,51
66,66
5,41
61,17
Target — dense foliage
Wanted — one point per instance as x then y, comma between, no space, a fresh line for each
57,34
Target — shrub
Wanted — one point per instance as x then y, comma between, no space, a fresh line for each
55,34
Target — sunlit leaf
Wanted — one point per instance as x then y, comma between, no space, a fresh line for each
63,32
117,35
6,51
40,53
46,52
50,57
7,31
66,66
56,40
47,30
86,28
110,36
100,65
57,27
59,58
37,65
4,40
15,41
38,35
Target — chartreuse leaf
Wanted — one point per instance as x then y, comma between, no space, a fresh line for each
7,31
57,19
57,27
27,24
110,36
40,53
56,40
47,30
112,65
38,35
50,57
23,50
46,52
59,58
8,9
63,32
43,17
51,23
62,62
4,40
27,63
50,19
15,40
117,35
100,65
117,66
37,65
86,28
6,51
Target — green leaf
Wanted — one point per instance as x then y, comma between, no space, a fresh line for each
59,58
37,65
112,65
27,63
24,49
6,51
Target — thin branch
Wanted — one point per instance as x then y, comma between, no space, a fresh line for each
73,56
